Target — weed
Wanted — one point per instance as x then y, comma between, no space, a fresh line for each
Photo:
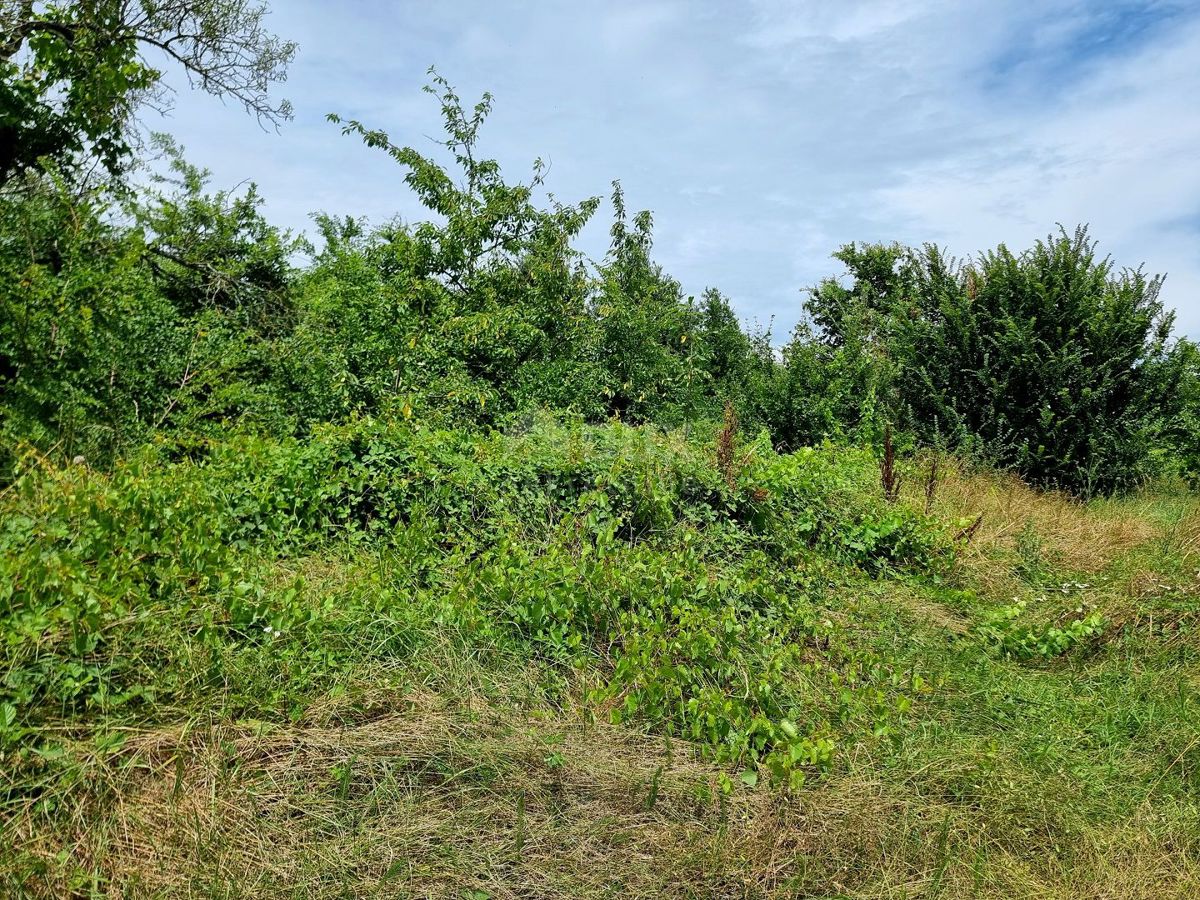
889,476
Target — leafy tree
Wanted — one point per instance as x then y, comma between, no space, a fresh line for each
826,389
725,349
214,251
490,302
644,325
732,364
72,74
87,345
842,313
1178,452
1055,360
180,310
1051,361
119,322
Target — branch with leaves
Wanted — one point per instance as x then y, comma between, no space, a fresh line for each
73,75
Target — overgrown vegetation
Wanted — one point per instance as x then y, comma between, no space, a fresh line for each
433,560
1048,362
180,312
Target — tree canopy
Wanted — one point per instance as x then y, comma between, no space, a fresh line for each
74,74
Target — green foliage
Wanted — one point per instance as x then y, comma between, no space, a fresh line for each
215,251
460,438
643,327
109,334
488,307
861,311
1179,452
72,75
1005,629
616,546
1050,362
88,561
89,350
829,390
827,499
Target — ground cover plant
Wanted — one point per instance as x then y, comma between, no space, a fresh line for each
437,560
395,659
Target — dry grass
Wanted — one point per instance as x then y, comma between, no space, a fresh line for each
1073,536
1082,537
429,798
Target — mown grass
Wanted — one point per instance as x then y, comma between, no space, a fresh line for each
415,729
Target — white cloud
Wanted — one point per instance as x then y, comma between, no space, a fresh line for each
764,137
1119,153
779,23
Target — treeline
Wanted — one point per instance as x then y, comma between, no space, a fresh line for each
177,314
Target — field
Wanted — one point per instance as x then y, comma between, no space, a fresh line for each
444,554
592,661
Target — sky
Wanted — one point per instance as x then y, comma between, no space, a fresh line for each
762,134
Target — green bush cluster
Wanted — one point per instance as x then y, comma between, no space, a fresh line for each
618,546
1049,362
179,312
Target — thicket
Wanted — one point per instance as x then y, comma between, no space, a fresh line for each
694,591
176,312
1049,362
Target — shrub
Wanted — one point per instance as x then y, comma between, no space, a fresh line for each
1052,362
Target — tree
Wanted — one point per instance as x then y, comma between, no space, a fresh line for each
879,274
214,250
486,307
1051,362
725,350
644,325
73,74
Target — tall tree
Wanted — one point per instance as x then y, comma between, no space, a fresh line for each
73,74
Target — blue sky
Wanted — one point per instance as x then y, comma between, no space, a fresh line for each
763,134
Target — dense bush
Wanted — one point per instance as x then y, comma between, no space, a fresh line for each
1050,362
90,350
181,312
111,333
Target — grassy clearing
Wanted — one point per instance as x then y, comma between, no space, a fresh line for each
625,671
